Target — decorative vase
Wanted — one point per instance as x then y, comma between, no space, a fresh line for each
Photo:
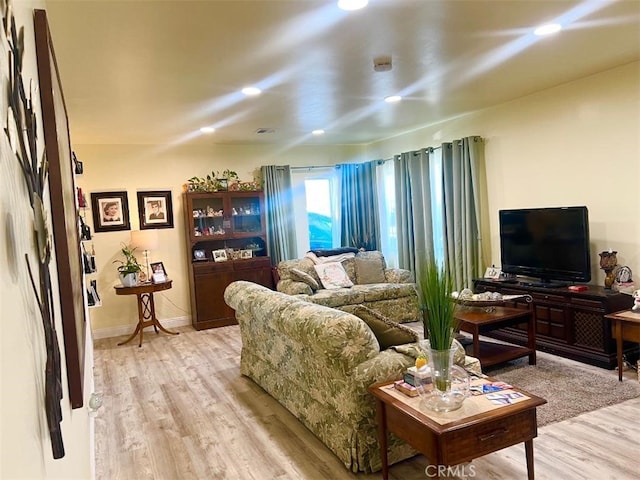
129,279
450,383
608,262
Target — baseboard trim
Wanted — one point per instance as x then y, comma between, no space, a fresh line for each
128,329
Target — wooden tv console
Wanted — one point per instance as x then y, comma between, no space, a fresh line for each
568,323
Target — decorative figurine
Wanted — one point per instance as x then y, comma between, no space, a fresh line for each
608,261
636,300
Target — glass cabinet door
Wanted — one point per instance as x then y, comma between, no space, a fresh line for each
246,214
209,216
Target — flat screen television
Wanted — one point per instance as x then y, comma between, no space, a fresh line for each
551,244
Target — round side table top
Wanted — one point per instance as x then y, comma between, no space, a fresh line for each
143,288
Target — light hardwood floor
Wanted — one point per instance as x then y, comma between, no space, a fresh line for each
177,408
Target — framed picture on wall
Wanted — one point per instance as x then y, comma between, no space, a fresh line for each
155,209
110,211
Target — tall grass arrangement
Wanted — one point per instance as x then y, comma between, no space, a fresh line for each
438,306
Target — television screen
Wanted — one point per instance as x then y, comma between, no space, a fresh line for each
548,243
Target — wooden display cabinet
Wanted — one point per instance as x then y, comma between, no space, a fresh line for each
568,323
232,223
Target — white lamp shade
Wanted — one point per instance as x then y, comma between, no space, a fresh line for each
144,239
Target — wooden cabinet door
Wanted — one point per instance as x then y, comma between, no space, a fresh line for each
210,282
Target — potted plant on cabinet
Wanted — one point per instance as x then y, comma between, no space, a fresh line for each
129,268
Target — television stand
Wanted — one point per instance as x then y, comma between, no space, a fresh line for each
543,284
569,323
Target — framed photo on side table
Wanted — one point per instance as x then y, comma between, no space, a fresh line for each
110,211
246,253
155,209
158,273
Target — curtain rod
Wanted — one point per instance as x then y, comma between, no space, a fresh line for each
313,167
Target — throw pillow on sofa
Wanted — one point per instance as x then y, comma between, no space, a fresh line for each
388,332
370,268
300,276
333,275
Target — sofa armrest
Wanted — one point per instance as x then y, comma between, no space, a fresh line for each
388,365
291,287
398,275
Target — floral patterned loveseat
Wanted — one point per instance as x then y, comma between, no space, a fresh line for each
318,362
389,291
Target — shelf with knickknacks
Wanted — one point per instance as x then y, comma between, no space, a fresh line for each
88,252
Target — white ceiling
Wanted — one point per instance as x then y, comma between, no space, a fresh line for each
155,71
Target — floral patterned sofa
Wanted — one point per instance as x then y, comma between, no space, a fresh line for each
389,291
318,362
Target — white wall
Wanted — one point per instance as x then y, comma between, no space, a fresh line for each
576,144
25,448
134,168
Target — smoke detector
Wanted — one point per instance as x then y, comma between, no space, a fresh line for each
382,64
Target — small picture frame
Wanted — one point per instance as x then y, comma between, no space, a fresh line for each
158,273
219,255
155,209
110,211
199,255
246,254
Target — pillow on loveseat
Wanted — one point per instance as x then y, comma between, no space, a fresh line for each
333,275
388,332
370,268
301,276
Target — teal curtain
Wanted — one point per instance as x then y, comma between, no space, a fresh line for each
359,206
278,194
462,162
413,208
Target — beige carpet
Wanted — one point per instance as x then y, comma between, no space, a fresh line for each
570,388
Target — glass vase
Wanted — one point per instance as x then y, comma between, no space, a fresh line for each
450,383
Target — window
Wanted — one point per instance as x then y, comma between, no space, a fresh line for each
387,204
387,211
316,208
437,205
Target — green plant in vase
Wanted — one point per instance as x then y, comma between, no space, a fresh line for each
440,326
129,268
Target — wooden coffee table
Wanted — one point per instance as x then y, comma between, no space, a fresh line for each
478,320
451,438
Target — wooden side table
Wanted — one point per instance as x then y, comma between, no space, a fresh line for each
625,325
452,438
146,307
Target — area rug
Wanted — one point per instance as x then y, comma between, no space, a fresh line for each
570,388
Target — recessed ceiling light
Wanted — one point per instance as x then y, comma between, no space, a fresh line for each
318,132
352,4
251,91
393,99
547,29
207,129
